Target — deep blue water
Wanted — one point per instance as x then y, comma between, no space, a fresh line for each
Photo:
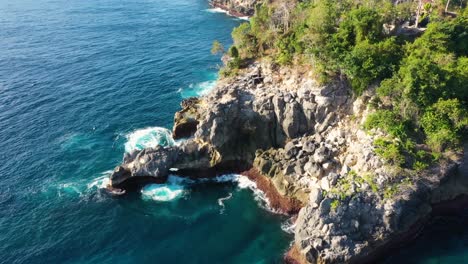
80,82
83,81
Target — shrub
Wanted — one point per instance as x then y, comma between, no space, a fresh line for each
217,48
390,151
369,62
244,40
389,121
334,204
233,52
443,123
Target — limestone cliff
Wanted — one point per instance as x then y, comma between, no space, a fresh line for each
304,142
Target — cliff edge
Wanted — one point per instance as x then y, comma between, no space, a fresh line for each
304,142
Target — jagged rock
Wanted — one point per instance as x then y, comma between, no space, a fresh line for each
315,197
321,154
151,162
313,170
290,150
325,184
293,131
309,147
186,120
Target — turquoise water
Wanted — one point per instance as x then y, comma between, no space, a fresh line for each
81,82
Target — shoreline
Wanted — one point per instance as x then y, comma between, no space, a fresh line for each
229,11
295,138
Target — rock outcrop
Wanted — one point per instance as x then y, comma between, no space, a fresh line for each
186,120
238,118
239,8
303,143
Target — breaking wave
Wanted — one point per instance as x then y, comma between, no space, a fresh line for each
173,189
82,187
198,89
289,225
216,10
147,138
176,187
220,10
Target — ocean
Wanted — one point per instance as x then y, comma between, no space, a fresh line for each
83,82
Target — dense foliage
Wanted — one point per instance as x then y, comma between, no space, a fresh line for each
422,94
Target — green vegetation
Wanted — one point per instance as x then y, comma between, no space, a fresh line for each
334,204
217,48
350,184
391,191
422,82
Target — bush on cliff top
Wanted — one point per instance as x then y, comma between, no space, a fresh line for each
422,84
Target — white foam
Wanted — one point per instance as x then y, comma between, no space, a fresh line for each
101,182
83,187
162,192
68,188
216,10
147,138
198,89
244,182
221,202
220,10
288,226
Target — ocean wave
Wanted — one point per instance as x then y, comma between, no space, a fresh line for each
101,182
216,10
220,10
173,189
82,187
244,182
198,89
176,187
162,192
289,225
221,202
148,137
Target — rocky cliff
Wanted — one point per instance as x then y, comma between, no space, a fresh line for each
238,8
303,143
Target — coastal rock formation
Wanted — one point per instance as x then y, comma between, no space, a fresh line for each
239,8
238,118
186,120
304,145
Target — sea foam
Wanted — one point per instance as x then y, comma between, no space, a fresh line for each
244,182
162,192
173,189
82,187
147,138
220,10
198,89
289,225
216,10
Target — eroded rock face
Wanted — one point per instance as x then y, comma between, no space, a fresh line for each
150,162
366,222
186,120
307,140
157,162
